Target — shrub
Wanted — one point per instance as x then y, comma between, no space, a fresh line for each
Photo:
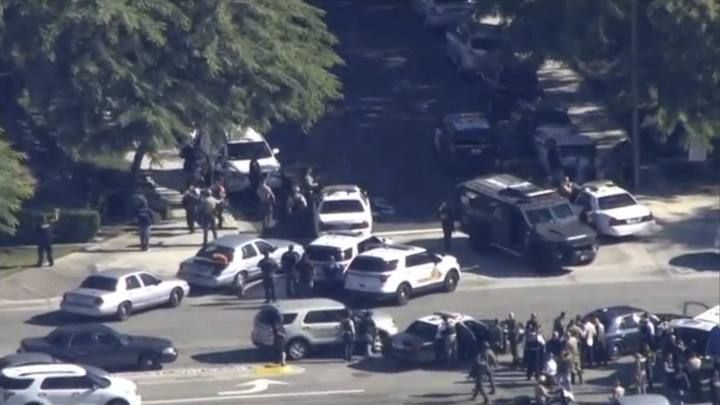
73,226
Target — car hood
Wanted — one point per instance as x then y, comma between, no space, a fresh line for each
149,342
572,231
632,211
120,384
345,218
269,164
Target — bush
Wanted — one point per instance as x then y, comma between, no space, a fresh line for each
73,226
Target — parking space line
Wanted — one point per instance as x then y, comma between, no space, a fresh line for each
256,396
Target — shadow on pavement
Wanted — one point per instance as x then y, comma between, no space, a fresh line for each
703,261
234,356
57,318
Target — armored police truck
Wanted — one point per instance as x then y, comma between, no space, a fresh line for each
519,217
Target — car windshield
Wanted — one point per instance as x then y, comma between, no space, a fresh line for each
100,283
211,251
553,117
485,43
248,150
424,330
616,201
341,206
322,253
372,264
542,215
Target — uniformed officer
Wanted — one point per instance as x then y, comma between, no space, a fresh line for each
448,225
287,262
268,267
513,330
492,363
479,369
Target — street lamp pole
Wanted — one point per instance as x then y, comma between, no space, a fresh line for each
635,113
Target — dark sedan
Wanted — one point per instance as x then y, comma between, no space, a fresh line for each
622,328
100,346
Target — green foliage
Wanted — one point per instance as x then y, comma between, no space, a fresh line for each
16,185
678,58
117,75
73,226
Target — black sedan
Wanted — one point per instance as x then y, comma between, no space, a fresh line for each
100,346
622,328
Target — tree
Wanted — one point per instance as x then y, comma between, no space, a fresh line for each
678,60
116,75
16,185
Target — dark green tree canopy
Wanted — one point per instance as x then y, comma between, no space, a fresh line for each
16,185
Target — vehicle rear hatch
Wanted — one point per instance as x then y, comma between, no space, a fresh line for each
368,273
262,325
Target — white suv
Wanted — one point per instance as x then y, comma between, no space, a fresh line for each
343,208
60,384
344,246
244,144
612,211
398,271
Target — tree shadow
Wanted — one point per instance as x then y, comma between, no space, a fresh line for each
702,261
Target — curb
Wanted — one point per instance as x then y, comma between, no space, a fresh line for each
32,302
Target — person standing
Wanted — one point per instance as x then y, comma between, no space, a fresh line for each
267,204
647,331
190,202
268,268
368,332
601,348
555,345
448,225
497,336
550,369
589,333
490,359
477,371
347,330
532,355
564,371
306,273
279,338
218,193
206,212
144,222
288,261
254,174
649,364
449,343
572,345
559,324
715,387
513,337
639,373
617,392
467,342
693,367
333,271
44,240
532,324
296,211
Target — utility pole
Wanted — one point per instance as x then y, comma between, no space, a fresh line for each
635,112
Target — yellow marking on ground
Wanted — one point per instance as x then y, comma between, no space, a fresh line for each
275,370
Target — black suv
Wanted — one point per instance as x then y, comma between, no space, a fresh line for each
465,141
519,217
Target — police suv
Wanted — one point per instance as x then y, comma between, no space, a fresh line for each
521,218
466,139
398,271
702,334
343,208
612,211
341,245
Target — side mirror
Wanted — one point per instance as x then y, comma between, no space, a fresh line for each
273,248
275,151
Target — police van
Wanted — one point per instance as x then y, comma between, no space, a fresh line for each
343,246
465,141
516,216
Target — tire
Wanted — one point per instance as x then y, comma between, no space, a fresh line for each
123,311
176,297
386,343
298,349
402,295
615,351
149,361
239,284
117,402
451,281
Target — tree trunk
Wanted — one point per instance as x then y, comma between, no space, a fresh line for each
136,165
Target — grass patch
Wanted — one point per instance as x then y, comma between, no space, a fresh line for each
108,161
14,259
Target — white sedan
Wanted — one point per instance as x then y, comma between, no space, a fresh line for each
119,292
612,211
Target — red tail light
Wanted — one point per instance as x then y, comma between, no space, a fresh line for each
98,301
383,278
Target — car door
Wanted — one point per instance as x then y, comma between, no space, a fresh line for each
420,269
67,390
85,349
135,293
322,326
110,351
153,289
629,330
501,232
250,259
585,202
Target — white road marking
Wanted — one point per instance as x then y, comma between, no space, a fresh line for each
415,232
257,396
256,386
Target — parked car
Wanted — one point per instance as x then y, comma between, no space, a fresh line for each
466,141
643,399
622,328
244,144
444,13
120,292
343,246
309,324
343,208
612,210
475,48
26,359
101,346
416,345
702,335
61,384
231,261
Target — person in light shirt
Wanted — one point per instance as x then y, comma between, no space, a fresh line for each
550,369
589,333
617,392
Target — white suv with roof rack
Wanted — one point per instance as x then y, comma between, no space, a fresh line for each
613,211
244,144
56,384
343,208
701,333
398,271
343,246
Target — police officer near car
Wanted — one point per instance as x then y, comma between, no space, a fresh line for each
190,202
534,353
218,192
333,271
447,222
513,330
497,336
288,261
479,370
279,338
268,268
206,213
306,274
254,174
347,332
44,239
144,221
368,332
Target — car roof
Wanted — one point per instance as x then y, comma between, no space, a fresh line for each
644,399
44,369
234,240
392,252
514,190
603,188
249,135
338,239
466,121
305,304
615,311
712,315
118,272
437,317
84,327
341,192
705,321
26,358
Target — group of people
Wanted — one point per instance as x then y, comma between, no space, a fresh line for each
205,206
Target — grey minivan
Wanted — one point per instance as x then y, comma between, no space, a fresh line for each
309,324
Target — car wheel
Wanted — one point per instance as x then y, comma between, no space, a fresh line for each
297,349
149,361
176,297
451,281
402,295
615,351
117,402
123,311
239,284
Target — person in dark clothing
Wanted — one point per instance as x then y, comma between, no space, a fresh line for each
144,222
368,332
513,329
279,338
554,162
190,202
467,342
44,239
288,261
496,336
268,268
219,194
650,360
492,363
559,324
533,356
333,271
480,369
449,343
532,324
347,331
555,345
206,213
448,225
306,273
254,175
715,387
